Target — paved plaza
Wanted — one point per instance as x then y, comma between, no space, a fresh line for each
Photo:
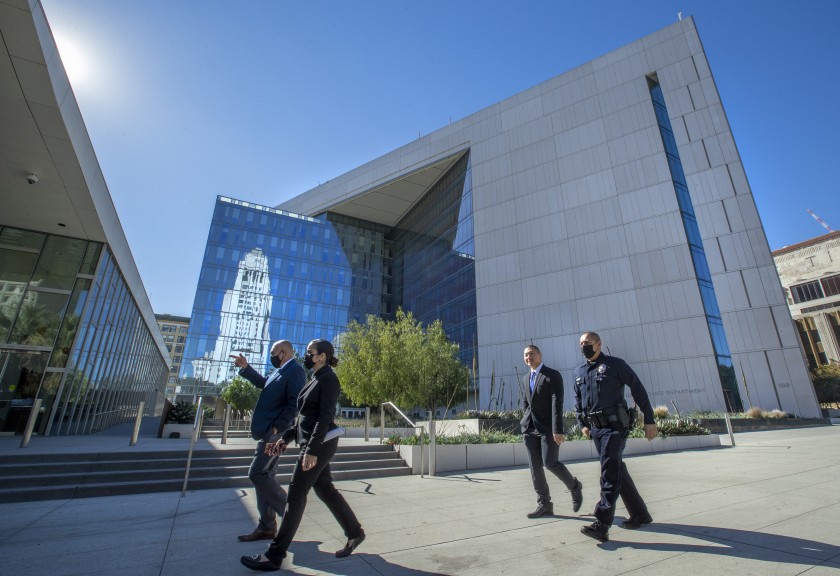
769,505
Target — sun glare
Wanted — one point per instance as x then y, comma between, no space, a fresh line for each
76,63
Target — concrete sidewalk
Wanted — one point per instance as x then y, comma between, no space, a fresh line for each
766,506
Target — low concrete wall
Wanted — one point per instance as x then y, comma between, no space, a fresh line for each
456,457
718,425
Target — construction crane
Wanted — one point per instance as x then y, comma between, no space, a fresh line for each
821,221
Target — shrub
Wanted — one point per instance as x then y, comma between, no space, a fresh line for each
182,412
827,384
483,437
490,414
680,427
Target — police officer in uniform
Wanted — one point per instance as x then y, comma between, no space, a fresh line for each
603,415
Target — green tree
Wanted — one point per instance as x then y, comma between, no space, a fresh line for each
827,383
401,362
240,394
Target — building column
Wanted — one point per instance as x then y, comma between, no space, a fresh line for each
829,342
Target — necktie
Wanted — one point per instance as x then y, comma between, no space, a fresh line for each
533,379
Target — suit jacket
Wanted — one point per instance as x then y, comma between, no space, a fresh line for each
277,404
316,405
542,410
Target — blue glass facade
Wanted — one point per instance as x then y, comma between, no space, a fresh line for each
269,274
72,336
726,370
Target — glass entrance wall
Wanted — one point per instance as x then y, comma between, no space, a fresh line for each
434,259
56,294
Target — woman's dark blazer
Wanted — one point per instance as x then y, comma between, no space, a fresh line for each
316,405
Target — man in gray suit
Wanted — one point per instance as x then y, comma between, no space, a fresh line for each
541,400
273,415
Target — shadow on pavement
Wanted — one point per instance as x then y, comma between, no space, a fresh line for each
307,555
729,542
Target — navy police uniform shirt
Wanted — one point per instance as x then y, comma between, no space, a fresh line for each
600,385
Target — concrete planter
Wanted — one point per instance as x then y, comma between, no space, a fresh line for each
718,425
449,457
453,427
490,456
185,430
454,457
577,450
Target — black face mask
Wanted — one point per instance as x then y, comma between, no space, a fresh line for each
308,361
275,361
588,350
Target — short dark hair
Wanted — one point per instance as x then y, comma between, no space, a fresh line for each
533,347
593,336
325,347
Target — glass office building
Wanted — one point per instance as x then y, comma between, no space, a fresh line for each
71,335
269,274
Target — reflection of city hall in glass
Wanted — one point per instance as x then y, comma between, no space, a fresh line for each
609,198
269,274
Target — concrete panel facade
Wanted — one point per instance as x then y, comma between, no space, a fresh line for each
577,228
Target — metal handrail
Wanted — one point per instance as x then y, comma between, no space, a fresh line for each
199,418
407,419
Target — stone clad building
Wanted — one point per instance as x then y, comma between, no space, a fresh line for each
810,274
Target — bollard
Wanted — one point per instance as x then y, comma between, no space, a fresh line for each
226,425
367,423
137,422
30,424
382,423
432,449
729,429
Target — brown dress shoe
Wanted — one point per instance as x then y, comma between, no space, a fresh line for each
257,534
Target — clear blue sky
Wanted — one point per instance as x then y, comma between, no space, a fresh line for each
263,100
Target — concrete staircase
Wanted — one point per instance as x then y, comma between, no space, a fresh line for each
59,476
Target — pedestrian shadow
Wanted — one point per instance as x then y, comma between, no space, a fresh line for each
728,542
308,556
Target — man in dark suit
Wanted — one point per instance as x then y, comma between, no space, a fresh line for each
274,414
541,398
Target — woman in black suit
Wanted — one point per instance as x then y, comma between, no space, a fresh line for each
316,404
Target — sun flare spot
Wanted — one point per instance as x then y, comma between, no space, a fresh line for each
76,61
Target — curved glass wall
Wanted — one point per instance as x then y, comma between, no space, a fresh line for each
726,370
70,335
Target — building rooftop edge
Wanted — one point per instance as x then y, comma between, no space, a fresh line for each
807,243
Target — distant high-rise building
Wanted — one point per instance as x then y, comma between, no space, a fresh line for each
174,330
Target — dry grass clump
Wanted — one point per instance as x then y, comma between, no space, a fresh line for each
660,412
756,412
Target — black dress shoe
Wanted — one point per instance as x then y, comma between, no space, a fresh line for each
597,530
577,495
260,563
542,510
352,544
635,522
257,534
